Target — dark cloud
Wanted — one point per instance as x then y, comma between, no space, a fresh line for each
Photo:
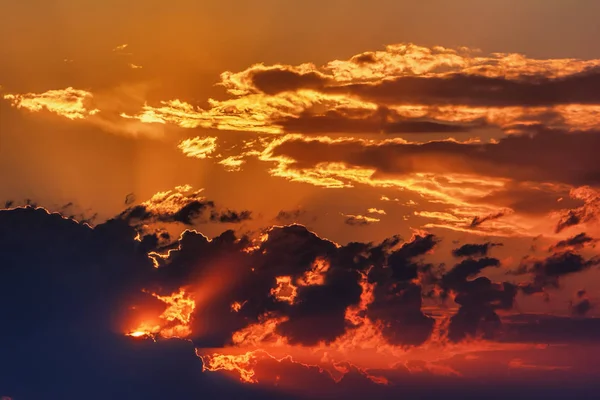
273,81
478,298
589,211
567,157
360,121
546,273
397,299
80,281
571,218
318,311
359,220
454,89
189,213
469,250
287,216
474,90
581,307
468,268
229,216
576,242
480,220
129,199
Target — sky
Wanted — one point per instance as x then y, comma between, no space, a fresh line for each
307,199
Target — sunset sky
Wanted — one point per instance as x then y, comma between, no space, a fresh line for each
285,199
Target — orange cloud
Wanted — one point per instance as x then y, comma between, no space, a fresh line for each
232,163
198,147
174,320
338,95
69,103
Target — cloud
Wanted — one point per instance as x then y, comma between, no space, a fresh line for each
470,178
397,298
402,89
198,147
582,305
547,272
469,250
480,220
104,108
232,163
288,216
478,299
588,212
494,160
182,205
69,103
359,220
80,281
381,120
479,91
349,300
576,242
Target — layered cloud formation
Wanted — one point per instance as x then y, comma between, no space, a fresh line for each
530,127
480,153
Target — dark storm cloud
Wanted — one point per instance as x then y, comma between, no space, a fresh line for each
317,314
382,120
469,250
66,283
478,298
544,156
397,299
70,284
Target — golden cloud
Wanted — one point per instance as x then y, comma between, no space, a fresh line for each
198,147
69,103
